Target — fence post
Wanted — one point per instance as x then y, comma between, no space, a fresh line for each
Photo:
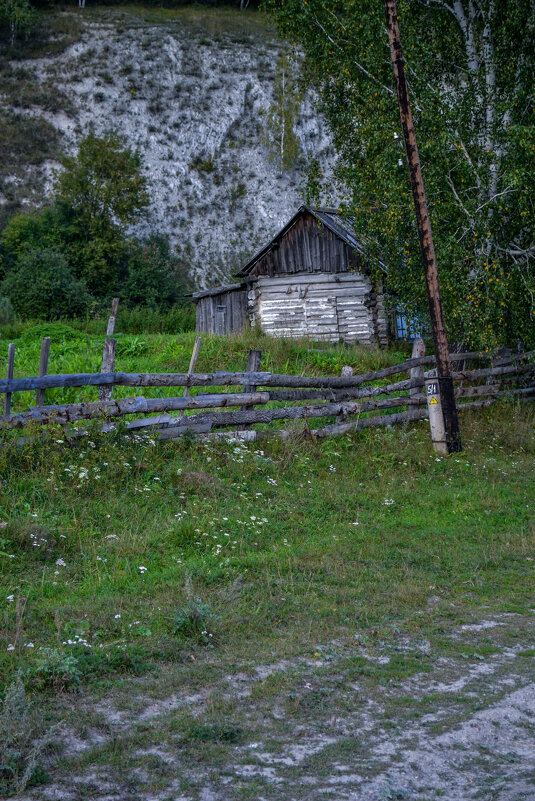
108,352
43,367
436,418
418,351
254,357
9,376
108,366
253,366
111,320
344,372
191,369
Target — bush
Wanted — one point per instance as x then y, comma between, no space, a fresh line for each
7,312
20,747
42,286
58,332
155,274
55,670
195,619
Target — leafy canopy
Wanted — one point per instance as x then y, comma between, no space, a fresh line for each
43,287
99,193
103,184
470,69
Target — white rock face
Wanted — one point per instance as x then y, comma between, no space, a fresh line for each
194,106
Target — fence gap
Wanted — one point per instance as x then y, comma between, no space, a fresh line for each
43,369
9,375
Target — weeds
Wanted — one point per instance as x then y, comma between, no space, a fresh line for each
56,671
195,619
21,746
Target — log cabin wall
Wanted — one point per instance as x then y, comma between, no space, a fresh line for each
322,306
310,280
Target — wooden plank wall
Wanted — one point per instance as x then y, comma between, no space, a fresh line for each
310,248
223,313
328,307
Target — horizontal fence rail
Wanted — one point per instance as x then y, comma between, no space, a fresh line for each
203,413
217,378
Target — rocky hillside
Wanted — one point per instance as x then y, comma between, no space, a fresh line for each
190,90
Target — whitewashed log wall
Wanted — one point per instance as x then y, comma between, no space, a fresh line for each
324,306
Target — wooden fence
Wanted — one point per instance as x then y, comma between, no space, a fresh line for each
264,398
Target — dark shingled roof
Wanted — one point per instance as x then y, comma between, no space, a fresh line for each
341,226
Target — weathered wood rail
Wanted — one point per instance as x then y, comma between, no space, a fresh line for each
340,397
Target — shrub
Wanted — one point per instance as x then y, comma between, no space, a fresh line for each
155,275
143,320
55,670
194,619
58,332
20,745
42,286
7,312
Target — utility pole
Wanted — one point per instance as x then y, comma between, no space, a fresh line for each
444,377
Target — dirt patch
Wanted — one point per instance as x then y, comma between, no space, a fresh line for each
312,729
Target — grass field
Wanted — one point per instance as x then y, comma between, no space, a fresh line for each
138,572
74,351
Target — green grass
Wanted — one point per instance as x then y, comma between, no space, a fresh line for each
73,351
285,546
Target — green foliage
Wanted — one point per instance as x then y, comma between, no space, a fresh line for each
279,135
20,743
7,312
16,16
91,236
43,286
220,732
142,320
100,192
94,664
102,184
155,275
55,670
42,228
58,332
195,619
470,79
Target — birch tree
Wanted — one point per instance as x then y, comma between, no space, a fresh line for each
470,64
279,135
16,16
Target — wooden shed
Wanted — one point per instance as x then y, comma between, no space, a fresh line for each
310,280
222,310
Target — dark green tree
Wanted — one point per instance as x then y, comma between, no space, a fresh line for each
470,67
100,192
155,275
43,287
